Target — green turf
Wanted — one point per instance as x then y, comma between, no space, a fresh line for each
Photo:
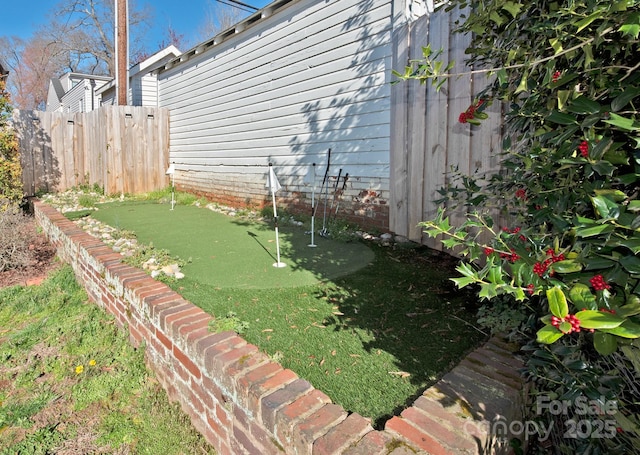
370,326
230,252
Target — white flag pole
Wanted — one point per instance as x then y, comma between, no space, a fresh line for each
274,186
171,171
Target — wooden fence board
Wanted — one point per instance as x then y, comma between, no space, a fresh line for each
433,139
121,149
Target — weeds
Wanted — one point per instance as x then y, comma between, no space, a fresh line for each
14,239
73,384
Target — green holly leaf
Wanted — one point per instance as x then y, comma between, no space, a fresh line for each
605,207
582,298
627,329
631,264
604,343
624,123
512,8
583,105
557,302
630,309
632,26
594,230
561,118
624,98
567,266
548,334
590,319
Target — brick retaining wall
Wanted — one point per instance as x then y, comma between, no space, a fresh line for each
244,403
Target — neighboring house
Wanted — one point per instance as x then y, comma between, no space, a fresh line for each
77,92
143,83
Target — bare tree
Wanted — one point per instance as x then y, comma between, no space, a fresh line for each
84,29
218,17
78,38
32,64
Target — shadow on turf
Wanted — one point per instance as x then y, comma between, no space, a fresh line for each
414,312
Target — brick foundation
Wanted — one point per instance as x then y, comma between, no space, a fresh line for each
243,403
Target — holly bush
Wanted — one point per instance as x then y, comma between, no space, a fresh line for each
10,170
567,75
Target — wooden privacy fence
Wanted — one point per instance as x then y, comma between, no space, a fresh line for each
427,140
122,149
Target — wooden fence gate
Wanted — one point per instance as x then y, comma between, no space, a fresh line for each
427,140
122,149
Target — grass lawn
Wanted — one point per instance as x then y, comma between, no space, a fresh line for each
71,383
370,326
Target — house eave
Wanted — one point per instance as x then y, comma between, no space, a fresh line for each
256,18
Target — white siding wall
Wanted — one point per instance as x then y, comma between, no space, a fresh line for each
148,90
313,76
78,99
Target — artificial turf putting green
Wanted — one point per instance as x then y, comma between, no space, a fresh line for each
228,252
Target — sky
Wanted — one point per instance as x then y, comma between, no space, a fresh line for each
22,17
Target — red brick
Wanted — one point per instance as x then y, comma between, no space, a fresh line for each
214,390
316,425
266,439
343,435
278,399
286,417
179,326
217,349
415,436
488,381
135,337
241,435
180,373
259,388
187,362
447,437
196,403
505,370
157,347
164,340
450,416
150,288
131,277
223,415
201,344
489,372
373,443
485,401
162,311
205,396
221,431
248,362
246,379
168,319
495,360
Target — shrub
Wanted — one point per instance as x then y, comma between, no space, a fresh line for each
567,73
11,191
14,239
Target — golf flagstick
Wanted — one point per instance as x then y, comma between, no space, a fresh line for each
171,171
311,175
274,186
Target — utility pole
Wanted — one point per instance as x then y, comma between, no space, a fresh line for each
122,52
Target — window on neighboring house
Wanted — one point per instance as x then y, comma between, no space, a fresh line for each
81,105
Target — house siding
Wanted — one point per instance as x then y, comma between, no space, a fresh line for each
144,90
312,77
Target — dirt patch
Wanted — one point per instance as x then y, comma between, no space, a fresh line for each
42,259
